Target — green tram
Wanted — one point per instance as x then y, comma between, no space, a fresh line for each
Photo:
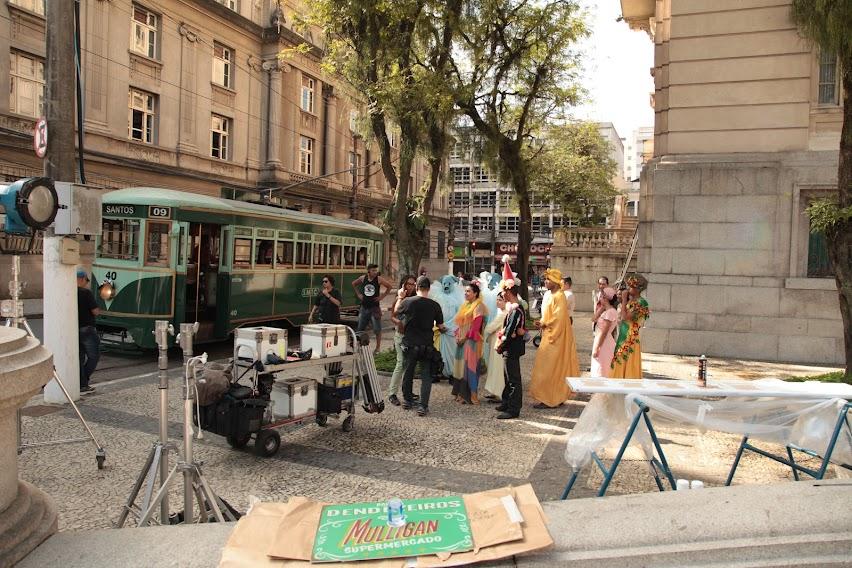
185,257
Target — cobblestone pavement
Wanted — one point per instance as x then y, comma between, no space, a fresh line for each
455,449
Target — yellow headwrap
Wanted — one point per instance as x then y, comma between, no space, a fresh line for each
553,275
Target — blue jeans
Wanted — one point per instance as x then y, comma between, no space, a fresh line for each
370,315
396,377
89,353
425,379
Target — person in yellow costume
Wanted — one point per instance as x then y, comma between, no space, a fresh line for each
633,311
557,354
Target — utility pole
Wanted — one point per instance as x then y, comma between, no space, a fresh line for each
61,331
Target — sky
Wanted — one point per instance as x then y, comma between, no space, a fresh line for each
617,75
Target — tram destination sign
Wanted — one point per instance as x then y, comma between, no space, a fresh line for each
137,211
360,531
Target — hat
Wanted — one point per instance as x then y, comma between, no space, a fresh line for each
554,275
81,273
508,277
636,281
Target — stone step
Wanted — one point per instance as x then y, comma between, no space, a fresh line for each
37,519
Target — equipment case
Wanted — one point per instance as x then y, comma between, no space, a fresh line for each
326,340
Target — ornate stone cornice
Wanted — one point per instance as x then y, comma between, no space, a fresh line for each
186,31
276,65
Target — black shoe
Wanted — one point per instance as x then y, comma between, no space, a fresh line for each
494,400
506,416
540,405
394,400
422,411
407,405
87,389
501,408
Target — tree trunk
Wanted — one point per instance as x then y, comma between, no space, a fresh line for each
510,154
406,245
840,242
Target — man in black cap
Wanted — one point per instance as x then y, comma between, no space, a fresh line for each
419,315
87,309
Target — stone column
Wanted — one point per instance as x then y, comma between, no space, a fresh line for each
27,515
273,142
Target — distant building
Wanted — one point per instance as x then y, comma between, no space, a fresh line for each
746,134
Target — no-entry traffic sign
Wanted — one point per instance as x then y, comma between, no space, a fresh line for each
40,138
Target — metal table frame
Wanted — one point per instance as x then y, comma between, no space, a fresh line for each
658,463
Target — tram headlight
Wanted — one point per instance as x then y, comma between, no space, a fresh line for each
107,290
29,203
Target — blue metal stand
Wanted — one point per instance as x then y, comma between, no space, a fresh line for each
657,464
790,461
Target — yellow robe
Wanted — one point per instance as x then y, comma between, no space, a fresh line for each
630,369
556,357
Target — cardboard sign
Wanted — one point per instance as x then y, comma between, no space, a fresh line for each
360,531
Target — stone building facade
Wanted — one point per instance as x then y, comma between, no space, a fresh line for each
747,126
194,95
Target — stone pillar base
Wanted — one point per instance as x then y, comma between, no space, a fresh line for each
26,523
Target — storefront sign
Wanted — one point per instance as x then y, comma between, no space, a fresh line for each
512,248
360,531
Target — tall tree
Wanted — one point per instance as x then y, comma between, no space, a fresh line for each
828,24
514,69
396,55
574,169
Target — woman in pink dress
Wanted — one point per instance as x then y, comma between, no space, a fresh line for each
603,347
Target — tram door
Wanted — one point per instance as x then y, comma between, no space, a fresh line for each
202,272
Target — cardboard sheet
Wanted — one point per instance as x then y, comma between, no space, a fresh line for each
281,534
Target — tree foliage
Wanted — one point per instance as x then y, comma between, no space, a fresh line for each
827,24
573,168
514,69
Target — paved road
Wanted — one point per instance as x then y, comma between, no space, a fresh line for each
455,449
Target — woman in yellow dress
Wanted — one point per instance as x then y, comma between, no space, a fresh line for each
633,310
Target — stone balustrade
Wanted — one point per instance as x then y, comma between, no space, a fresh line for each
592,240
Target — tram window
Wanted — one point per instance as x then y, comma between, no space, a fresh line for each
119,239
334,256
320,252
303,255
348,257
263,254
157,244
361,257
242,253
284,254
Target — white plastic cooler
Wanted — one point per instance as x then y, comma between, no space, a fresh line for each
326,340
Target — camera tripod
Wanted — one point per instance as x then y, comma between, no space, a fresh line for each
195,486
13,310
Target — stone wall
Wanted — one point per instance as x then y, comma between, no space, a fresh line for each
723,241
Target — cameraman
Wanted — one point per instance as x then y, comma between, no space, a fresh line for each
419,315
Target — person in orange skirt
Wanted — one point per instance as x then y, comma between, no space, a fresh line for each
557,354
633,311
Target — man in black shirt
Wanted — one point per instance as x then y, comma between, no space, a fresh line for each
511,346
419,315
368,288
87,309
327,303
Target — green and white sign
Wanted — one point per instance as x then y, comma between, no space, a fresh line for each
360,531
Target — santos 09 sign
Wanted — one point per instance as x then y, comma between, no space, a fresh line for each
361,531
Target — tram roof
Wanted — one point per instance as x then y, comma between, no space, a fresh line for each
179,199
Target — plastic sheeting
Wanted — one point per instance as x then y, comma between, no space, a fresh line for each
805,423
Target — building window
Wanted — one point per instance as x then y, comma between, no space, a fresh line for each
157,244
819,265
540,226
460,224
632,208
442,243
143,32
354,167
460,199
482,175
36,6
26,94
509,224
353,121
232,4
457,151
222,58
142,116
482,224
308,87
306,155
827,78
505,199
484,199
460,174
220,131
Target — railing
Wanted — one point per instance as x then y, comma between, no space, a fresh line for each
612,241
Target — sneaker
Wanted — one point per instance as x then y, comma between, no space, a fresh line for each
506,416
407,405
422,411
394,400
87,389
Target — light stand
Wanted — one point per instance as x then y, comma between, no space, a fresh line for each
158,457
13,311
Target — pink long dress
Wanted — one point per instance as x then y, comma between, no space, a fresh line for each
601,363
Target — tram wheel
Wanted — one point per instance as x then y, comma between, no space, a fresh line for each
267,443
238,442
348,424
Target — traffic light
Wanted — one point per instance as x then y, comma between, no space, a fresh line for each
473,245
29,204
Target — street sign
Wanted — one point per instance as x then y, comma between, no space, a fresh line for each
451,256
449,248
40,138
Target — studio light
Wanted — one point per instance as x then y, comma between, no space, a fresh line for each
29,204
